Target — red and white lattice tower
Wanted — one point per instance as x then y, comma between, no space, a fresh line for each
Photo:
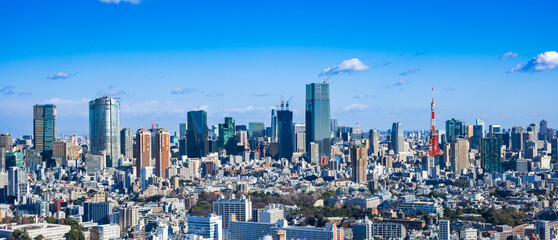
433,147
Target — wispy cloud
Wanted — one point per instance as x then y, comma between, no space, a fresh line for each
182,90
261,95
542,62
60,76
348,66
401,82
355,107
409,71
119,1
7,90
24,93
214,94
363,95
449,89
508,55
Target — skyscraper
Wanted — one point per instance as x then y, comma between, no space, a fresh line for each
543,229
104,128
44,129
256,130
373,137
491,154
143,150
196,134
478,134
318,119
210,227
285,132
454,129
127,143
543,132
274,125
444,229
182,131
397,138
162,152
227,138
459,154
6,141
517,138
359,163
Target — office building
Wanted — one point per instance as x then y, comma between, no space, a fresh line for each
104,128
256,130
162,152
517,138
285,130
444,232
181,131
491,154
459,154
210,226
14,159
397,138
97,212
318,119
44,129
373,139
493,130
47,230
359,163
6,141
314,153
455,129
109,231
300,138
544,131
143,149
196,134
543,229
362,229
240,207
227,137
329,232
127,143
478,134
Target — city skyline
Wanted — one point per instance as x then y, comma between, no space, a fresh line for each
239,68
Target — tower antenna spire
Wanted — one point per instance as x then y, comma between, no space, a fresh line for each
433,147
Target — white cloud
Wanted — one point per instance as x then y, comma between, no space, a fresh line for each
402,82
355,107
448,88
542,62
508,55
182,90
60,75
214,94
409,71
110,92
119,1
347,66
70,107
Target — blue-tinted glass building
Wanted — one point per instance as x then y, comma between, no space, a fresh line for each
318,118
44,129
104,128
196,134
491,154
397,138
285,133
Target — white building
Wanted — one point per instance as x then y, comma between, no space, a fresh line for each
210,227
241,207
50,231
109,231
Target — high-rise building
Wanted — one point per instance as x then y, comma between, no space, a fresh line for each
274,127
444,232
143,149
127,143
227,137
554,148
314,153
285,130
182,131
104,128
162,152
98,212
128,217
210,227
491,154
300,137
455,129
14,159
373,146
397,138
544,131
362,229
6,141
543,229
256,130
44,129
318,119
240,207
196,134
359,163
478,134
517,138
459,154
493,130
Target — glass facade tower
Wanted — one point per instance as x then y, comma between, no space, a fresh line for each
104,128
44,129
318,118
196,134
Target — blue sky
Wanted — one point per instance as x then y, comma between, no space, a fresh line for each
235,58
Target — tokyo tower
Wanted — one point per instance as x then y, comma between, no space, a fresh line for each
433,147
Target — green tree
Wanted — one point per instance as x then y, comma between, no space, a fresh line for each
75,235
39,237
21,235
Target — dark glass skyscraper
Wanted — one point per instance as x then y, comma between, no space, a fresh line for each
227,137
454,129
196,134
104,128
318,119
44,129
491,154
397,138
285,132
